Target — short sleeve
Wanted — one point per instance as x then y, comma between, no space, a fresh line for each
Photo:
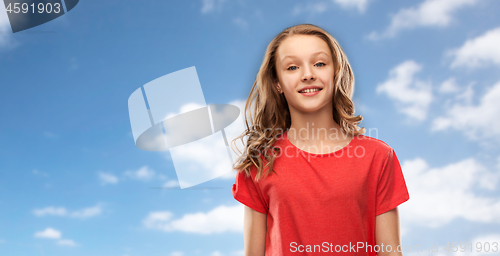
391,187
247,192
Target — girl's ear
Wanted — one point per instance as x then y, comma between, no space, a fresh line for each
278,87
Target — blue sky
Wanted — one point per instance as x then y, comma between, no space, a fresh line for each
73,182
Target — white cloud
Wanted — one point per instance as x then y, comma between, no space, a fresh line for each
498,162
171,184
61,211
144,173
460,93
211,5
466,95
66,242
449,86
177,253
240,22
219,220
107,178
207,158
430,13
238,253
440,195
361,5
55,211
87,212
411,95
312,8
478,122
479,51
321,7
49,233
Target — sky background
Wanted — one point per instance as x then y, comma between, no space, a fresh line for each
72,181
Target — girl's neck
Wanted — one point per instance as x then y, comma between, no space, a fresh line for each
313,128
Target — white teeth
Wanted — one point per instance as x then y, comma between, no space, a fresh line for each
309,90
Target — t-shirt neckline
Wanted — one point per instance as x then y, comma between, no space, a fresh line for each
325,154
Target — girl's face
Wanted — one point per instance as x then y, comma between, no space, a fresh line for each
304,61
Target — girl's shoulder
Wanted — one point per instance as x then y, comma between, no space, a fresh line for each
372,143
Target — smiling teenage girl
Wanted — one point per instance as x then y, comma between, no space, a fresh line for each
310,181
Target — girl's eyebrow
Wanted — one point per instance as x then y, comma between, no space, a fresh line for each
314,54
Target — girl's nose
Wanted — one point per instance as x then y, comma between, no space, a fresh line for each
308,74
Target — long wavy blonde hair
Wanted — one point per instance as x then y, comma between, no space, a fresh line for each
270,108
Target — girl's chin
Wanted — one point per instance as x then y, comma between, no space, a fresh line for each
308,108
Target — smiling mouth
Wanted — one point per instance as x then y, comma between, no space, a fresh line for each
310,90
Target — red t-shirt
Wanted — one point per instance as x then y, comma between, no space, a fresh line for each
317,204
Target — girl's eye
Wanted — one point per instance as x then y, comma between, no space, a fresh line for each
289,68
